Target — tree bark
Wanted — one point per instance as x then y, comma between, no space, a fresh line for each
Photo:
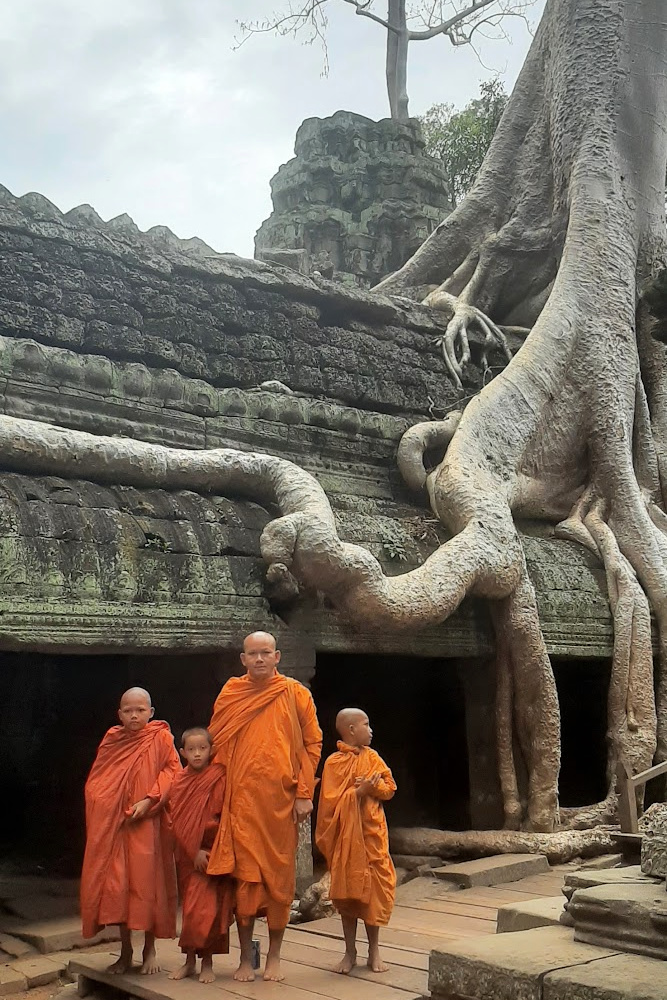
397,60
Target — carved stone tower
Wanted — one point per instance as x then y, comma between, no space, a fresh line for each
358,198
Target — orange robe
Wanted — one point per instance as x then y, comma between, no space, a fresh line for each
268,737
207,900
128,872
353,837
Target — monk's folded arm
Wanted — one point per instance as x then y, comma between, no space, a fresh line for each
385,788
159,793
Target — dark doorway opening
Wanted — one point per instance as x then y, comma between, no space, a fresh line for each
417,711
54,711
582,686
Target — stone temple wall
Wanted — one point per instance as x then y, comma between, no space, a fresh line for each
358,198
112,331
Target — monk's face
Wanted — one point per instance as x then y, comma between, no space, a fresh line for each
260,656
360,731
196,751
135,711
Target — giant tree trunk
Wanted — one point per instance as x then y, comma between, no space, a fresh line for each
397,60
564,224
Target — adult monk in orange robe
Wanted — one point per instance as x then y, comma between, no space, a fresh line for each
353,837
195,805
128,875
265,732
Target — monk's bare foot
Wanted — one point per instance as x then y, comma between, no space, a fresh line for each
122,964
207,974
347,964
188,969
272,971
245,973
375,963
150,963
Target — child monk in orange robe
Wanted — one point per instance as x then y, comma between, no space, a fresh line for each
195,805
353,837
128,875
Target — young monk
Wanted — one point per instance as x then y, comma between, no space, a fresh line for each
353,837
128,873
195,805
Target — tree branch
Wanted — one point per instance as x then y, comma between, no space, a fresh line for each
360,8
446,26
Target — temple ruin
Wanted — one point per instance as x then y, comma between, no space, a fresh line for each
114,332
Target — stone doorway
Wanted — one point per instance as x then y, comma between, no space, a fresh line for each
417,711
54,711
582,686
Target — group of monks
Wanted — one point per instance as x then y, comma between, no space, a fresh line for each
220,829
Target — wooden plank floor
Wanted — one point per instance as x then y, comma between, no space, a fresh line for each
428,914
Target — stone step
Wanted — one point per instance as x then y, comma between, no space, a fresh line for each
544,912
630,917
621,977
496,870
506,966
42,907
57,934
39,970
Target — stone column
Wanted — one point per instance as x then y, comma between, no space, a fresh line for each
478,679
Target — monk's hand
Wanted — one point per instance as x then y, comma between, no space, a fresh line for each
139,810
201,861
366,786
302,810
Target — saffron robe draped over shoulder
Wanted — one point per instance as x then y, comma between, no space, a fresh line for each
268,738
195,805
128,872
353,837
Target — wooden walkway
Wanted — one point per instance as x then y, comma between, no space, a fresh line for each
428,914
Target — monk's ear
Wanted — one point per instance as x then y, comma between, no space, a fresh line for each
182,753
278,655
152,713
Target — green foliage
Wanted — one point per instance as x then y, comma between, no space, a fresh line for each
392,544
461,138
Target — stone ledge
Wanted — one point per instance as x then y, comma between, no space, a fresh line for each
620,977
505,966
545,912
493,871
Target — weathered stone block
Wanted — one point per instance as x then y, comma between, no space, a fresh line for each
38,971
505,966
627,918
493,871
543,912
11,981
619,977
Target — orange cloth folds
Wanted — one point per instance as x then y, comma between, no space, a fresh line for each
128,871
268,737
207,900
353,837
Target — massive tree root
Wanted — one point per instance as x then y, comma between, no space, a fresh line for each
557,847
564,225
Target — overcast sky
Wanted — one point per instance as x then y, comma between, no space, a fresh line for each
142,106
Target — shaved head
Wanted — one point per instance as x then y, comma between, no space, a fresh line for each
346,718
259,637
136,709
136,692
260,656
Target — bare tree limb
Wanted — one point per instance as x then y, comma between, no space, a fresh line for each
361,9
445,27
